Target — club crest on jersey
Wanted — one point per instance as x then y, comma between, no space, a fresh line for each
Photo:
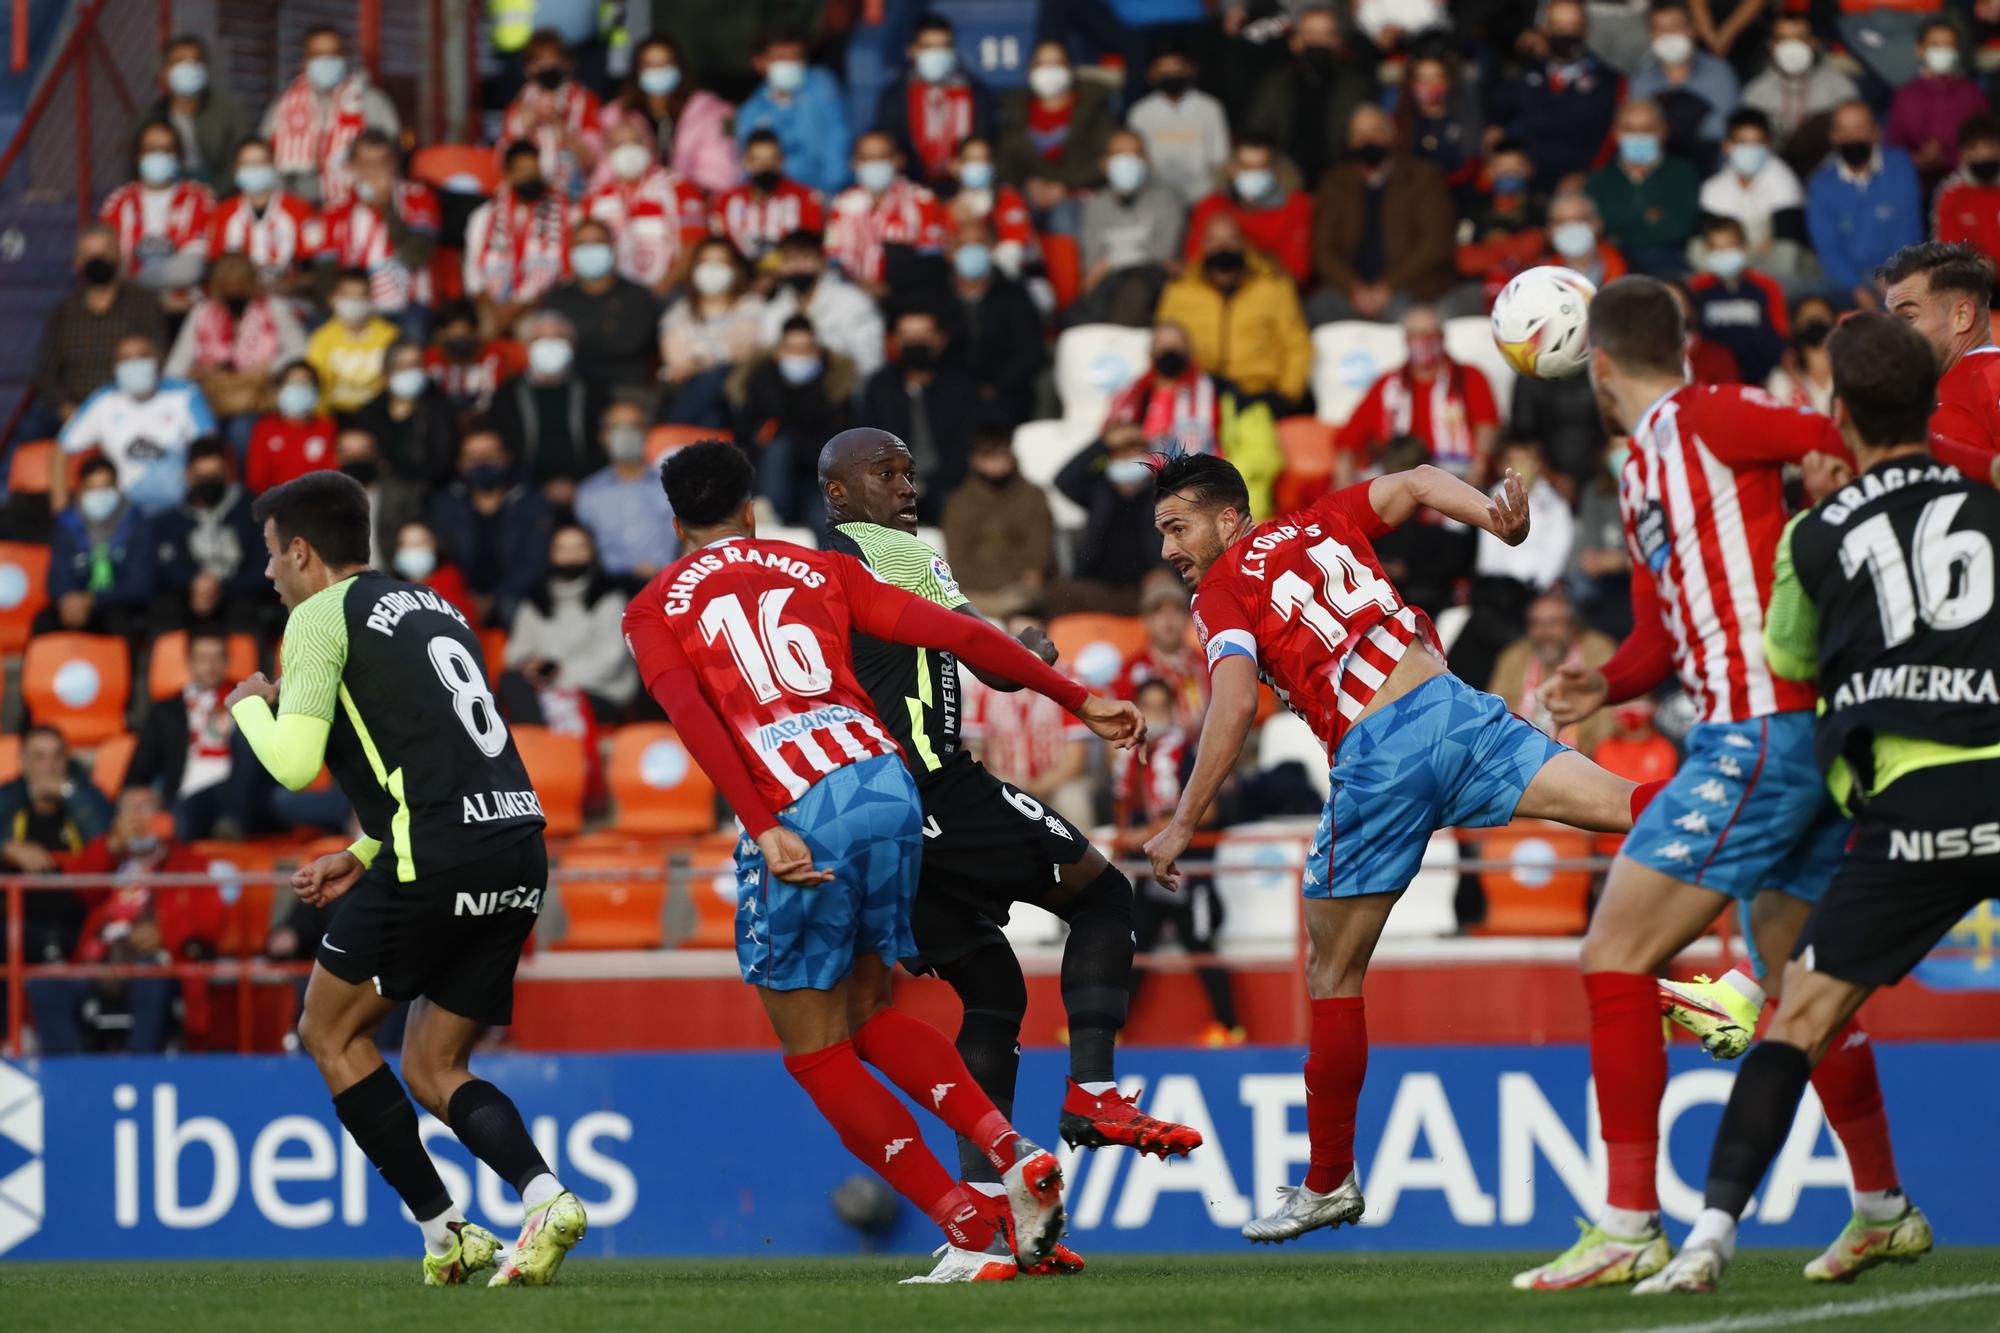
1056,826
942,573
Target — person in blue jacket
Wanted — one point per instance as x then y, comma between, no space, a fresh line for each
103,560
803,105
1862,206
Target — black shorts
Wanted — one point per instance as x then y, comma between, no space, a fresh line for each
1195,913
1926,850
453,938
987,846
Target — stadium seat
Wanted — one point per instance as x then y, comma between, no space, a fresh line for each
805,537
1093,362
10,758
460,167
655,784
711,883
1286,736
1041,449
166,669
108,764
249,906
493,647
664,439
1062,261
78,684
994,38
1308,446
32,467
1095,648
24,591
1428,908
621,913
1348,356
554,762
1469,341
1529,896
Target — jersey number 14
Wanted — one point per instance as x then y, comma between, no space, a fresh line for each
1349,587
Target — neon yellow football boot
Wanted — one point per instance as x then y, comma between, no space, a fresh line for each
548,1233
1723,1018
1599,1259
1862,1244
472,1249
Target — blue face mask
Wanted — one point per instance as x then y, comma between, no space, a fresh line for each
1639,150
590,261
256,177
1747,159
1509,182
1726,264
786,76
799,369
1614,459
296,401
409,382
1125,172
875,175
187,79
1254,183
158,169
99,504
659,80
137,376
973,262
976,175
326,72
1574,240
935,63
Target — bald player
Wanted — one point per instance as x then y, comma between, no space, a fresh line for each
987,845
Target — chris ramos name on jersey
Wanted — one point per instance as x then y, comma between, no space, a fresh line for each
681,591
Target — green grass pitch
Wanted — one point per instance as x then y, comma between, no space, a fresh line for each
1319,1288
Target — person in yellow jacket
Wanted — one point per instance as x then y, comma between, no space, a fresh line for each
349,350
1242,315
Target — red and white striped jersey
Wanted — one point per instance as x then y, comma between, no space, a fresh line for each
516,251
765,626
356,235
153,224
755,226
862,226
277,240
654,220
1965,427
1305,598
1703,501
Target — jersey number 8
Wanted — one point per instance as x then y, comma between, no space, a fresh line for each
470,698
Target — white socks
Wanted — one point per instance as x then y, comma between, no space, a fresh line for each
1745,985
1714,1227
539,1191
1628,1223
1881,1205
1098,1089
437,1232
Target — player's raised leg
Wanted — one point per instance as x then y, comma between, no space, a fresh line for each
337,1030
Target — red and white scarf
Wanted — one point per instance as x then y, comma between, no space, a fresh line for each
226,343
277,240
862,226
357,236
1183,414
940,120
577,109
186,216
304,140
518,250
1450,429
653,220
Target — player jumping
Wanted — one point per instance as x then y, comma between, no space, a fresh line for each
1303,602
1884,590
987,844
384,683
745,643
1746,817
1944,292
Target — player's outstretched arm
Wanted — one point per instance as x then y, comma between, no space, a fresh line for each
1397,497
1232,707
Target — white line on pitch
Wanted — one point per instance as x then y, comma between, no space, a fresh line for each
1819,1314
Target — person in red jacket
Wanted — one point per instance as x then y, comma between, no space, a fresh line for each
1967,207
293,440
1945,293
1276,215
134,923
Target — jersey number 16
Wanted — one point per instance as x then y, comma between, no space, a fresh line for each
772,654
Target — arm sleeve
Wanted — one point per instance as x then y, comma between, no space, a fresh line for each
1975,461
1353,502
1766,431
291,746
314,656
1791,623
1647,655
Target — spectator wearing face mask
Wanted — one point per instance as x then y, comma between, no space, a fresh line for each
142,423
1431,397
1117,547
161,219
1926,113
1051,136
1383,230
1262,193
992,326
1695,91
418,556
516,244
1563,104
348,350
687,126
388,228
1303,109
1242,316
231,344
296,436
212,558
1757,189
1576,240
1862,206
468,365
929,401
1737,307
211,123
998,532
81,334
1798,91
315,121
495,527
556,114
1708,361
613,318
934,105
1173,400
1804,376
883,228
1646,196
1506,578
548,413
706,334
788,402
978,194
1967,207
768,205
623,503
567,635
1438,119
1185,131
277,231
655,217
808,286
412,422
103,560
1508,218
1130,236
804,106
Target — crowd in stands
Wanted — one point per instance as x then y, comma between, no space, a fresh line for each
652,257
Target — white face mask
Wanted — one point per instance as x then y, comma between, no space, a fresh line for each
415,563
352,310
1792,56
629,161
1049,80
550,357
409,382
875,175
1941,59
713,277
1673,48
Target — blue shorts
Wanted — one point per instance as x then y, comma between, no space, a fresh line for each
1748,811
863,822
1444,755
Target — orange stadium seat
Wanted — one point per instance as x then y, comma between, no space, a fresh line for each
1095,647
248,914
166,669
108,764
1062,261
664,439
493,647
33,466
555,765
1529,897
711,881
10,758
24,591
78,684
446,166
1308,447
613,913
655,783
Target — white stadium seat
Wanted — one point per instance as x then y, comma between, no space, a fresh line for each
1428,907
1286,736
1041,448
1348,356
932,537
1469,341
1093,362
796,536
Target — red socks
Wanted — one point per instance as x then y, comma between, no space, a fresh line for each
880,1131
1852,1095
1643,794
1628,1056
1336,1064
920,1060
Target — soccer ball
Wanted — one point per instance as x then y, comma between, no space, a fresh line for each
1541,322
